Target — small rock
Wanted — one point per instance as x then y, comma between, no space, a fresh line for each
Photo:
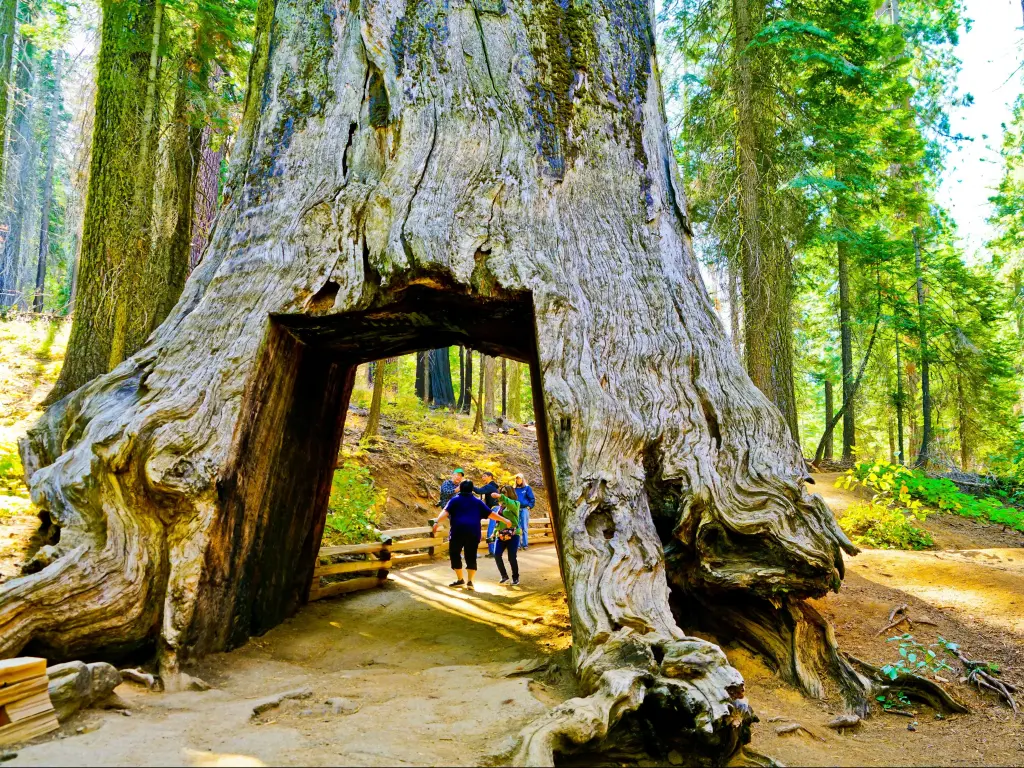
126,713
844,721
275,701
5,756
674,758
910,726
342,706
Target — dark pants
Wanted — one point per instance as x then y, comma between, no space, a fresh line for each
463,539
512,545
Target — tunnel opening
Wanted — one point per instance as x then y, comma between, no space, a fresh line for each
294,416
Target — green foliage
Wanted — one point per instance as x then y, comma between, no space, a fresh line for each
916,658
883,527
912,488
355,506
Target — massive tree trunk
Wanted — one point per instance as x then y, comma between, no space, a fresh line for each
442,393
497,175
118,297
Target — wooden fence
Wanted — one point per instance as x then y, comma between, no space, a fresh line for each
397,546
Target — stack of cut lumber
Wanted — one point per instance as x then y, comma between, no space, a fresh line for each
25,708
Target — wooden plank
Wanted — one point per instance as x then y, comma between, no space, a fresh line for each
394,533
29,728
344,587
22,668
23,689
353,549
415,557
351,567
403,546
29,706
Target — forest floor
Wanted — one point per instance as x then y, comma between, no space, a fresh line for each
432,676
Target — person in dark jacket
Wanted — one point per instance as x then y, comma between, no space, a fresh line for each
465,511
527,501
487,491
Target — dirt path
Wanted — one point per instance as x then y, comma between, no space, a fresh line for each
426,669
425,665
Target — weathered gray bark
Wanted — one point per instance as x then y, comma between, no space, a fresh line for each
495,175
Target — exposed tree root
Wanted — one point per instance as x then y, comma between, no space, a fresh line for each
792,636
687,683
901,614
914,686
982,674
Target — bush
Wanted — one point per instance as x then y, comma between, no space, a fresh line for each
883,527
911,488
355,506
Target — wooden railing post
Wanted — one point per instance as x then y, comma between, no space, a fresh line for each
384,555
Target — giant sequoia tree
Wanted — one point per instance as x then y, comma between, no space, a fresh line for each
494,174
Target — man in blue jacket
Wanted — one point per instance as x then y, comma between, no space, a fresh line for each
526,502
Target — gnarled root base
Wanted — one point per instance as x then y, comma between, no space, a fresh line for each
685,687
792,636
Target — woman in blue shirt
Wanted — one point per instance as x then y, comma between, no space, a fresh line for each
465,511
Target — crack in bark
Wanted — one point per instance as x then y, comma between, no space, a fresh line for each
483,45
416,188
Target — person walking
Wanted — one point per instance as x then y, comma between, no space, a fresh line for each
450,487
487,491
466,511
527,501
507,536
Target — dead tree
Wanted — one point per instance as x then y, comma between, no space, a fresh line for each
491,174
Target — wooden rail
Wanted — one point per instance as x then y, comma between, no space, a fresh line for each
394,549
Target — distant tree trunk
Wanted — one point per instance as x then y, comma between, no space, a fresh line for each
44,214
467,393
24,154
890,432
488,381
481,395
170,261
119,298
922,325
428,390
462,378
373,419
963,423
829,438
515,393
899,402
846,345
504,389
419,381
915,432
441,390
735,325
207,188
8,15
766,268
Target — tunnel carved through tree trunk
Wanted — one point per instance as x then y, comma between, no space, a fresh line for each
493,174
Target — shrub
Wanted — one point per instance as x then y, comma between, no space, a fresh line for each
883,527
355,506
911,488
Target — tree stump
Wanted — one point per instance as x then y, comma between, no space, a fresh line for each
494,174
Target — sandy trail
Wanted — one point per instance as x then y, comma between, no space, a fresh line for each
427,668
425,665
